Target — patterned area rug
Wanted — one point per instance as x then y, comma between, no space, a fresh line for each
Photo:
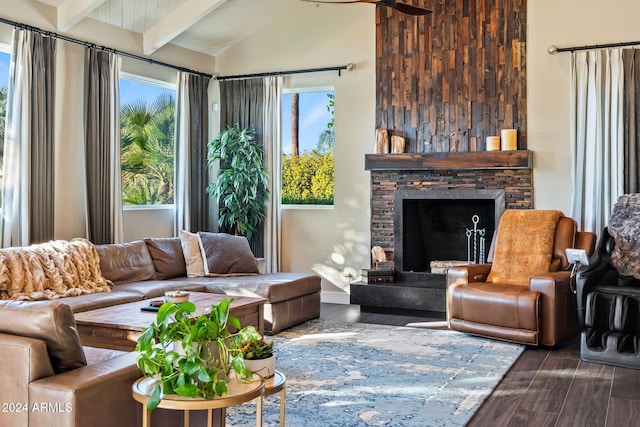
352,375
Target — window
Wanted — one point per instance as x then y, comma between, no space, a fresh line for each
147,123
307,147
5,62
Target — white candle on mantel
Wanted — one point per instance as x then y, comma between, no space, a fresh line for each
509,139
493,143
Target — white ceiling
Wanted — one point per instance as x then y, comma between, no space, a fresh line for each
207,26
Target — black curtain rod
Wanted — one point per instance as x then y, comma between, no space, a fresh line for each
22,26
553,49
347,67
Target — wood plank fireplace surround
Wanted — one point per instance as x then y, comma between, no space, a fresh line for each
421,208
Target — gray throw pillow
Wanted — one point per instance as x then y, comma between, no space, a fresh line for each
167,256
224,255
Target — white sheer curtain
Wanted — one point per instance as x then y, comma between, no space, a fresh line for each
273,155
27,193
597,90
182,181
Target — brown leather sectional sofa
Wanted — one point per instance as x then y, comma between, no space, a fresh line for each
43,377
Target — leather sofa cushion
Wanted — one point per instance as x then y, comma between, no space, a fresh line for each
224,254
53,323
88,302
157,288
167,256
504,305
126,262
275,287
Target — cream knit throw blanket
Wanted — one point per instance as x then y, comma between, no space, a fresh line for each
51,270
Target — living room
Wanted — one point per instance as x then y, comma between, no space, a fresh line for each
291,34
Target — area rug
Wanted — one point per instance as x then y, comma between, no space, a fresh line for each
351,375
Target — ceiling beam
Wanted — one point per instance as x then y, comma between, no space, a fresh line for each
70,12
177,22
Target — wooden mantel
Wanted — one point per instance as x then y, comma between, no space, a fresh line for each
519,159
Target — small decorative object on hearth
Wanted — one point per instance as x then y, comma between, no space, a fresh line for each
493,143
382,142
378,275
475,242
378,255
397,144
509,139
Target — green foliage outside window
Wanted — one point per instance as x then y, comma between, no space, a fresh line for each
147,144
308,178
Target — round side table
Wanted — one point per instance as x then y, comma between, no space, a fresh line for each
277,383
239,392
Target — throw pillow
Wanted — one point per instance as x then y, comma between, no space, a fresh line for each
167,257
52,323
224,254
192,253
126,262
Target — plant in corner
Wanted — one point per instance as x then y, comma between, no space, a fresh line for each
241,187
189,356
255,350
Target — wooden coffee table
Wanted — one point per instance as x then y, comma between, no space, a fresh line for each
118,327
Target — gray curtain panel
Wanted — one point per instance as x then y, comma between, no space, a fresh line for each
631,59
242,102
28,190
102,147
192,131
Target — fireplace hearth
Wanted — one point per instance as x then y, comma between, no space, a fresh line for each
421,207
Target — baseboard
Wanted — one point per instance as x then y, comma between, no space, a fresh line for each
335,297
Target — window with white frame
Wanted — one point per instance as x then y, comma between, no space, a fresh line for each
308,146
147,127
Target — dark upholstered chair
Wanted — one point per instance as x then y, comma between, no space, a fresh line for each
608,291
524,294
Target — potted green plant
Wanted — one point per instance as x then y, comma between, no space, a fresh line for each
257,353
241,186
189,356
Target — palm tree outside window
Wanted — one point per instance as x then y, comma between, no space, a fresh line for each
147,120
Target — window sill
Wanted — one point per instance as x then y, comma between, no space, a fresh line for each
308,207
148,207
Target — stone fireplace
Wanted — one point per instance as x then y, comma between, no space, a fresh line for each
421,206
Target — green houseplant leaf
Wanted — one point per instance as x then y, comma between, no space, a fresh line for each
241,186
177,348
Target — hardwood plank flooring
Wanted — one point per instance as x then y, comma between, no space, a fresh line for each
545,387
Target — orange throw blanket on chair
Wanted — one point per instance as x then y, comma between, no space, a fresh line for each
524,245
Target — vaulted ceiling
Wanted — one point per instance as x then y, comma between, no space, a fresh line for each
207,26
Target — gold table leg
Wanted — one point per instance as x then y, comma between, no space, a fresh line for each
283,402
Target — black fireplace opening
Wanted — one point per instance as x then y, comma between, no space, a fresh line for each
444,226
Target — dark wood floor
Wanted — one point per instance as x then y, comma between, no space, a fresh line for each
545,387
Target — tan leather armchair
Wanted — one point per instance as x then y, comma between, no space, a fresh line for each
535,304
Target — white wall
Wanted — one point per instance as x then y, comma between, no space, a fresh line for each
564,23
333,241
69,133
